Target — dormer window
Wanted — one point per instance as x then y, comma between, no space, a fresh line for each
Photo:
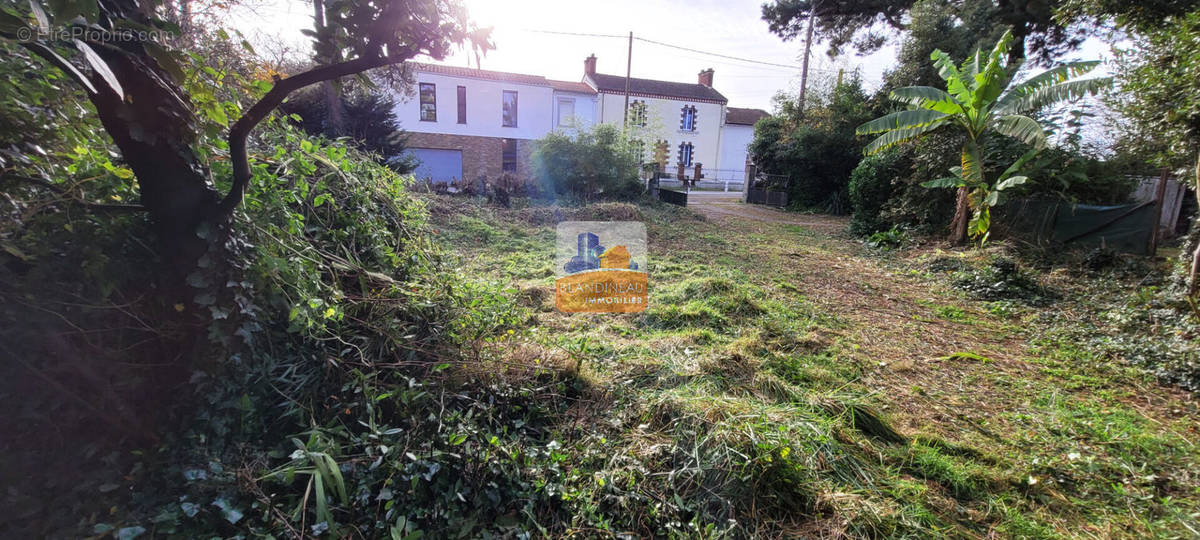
687,118
685,154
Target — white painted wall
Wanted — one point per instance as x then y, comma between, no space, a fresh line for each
663,123
585,109
735,140
535,114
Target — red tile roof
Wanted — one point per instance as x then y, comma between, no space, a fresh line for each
534,80
735,115
567,86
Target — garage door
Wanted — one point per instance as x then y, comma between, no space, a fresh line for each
437,165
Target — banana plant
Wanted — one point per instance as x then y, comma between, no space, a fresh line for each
980,100
981,197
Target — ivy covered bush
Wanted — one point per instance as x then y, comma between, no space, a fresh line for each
308,400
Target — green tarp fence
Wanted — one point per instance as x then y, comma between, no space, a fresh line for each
1049,223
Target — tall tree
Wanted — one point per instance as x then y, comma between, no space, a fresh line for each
135,85
816,148
979,102
864,25
957,28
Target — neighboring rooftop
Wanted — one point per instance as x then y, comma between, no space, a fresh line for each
534,80
568,86
652,88
736,115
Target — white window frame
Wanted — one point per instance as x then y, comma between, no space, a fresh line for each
565,120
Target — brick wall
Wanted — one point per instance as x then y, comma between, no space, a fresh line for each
525,148
481,156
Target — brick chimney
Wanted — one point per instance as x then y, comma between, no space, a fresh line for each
589,65
706,77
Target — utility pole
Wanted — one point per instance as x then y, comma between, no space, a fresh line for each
812,14
628,67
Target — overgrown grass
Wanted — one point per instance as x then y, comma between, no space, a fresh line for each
753,398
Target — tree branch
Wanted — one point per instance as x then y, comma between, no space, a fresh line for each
58,190
241,129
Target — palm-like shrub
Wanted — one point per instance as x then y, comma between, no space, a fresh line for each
980,100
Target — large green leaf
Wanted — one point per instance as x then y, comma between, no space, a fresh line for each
927,97
972,68
1011,181
1050,95
900,120
1022,128
949,73
898,136
945,182
1055,75
945,65
994,77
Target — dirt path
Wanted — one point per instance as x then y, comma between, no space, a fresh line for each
720,205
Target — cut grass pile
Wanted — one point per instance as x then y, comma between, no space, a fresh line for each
784,382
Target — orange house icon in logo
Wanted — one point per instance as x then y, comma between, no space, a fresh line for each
615,257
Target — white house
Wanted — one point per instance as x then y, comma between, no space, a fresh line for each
465,123
736,136
574,104
682,121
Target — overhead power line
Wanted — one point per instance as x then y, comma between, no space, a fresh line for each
790,67
738,58
584,34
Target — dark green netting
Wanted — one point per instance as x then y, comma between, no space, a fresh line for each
1049,223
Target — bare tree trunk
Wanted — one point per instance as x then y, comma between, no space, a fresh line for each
335,119
962,214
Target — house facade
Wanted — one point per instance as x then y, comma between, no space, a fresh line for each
736,136
679,124
468,123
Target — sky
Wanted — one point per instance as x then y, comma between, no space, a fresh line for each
524,43
535,37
